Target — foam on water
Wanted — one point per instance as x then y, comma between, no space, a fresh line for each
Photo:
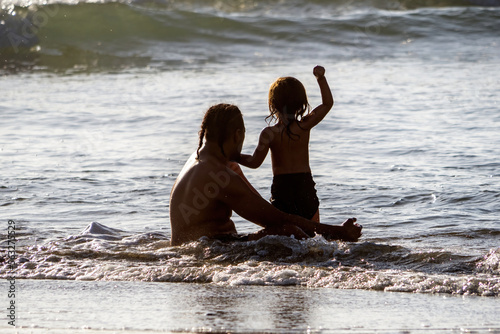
103,253
100,108
410,147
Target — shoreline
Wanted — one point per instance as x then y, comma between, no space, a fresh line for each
53,306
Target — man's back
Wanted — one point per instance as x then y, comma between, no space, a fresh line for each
195,210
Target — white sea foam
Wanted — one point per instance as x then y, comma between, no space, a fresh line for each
102,108
273,260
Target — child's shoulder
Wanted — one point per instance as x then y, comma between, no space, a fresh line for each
275,127
271,129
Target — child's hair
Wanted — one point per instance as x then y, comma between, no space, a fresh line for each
287,102
219,122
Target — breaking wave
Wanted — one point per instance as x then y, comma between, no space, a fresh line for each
109,35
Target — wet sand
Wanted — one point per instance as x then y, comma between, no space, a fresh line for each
50,306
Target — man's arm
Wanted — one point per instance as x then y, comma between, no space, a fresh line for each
252,207
318,113
235,167
260,153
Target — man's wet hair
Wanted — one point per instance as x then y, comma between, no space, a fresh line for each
220,122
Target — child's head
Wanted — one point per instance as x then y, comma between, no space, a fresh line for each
287,101
219,123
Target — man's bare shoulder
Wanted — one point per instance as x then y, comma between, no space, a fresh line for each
199,172
208,171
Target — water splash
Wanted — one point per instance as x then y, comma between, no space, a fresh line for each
103,253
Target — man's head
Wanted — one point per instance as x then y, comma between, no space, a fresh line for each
223,124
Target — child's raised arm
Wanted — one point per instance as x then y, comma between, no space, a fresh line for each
260,153
318,113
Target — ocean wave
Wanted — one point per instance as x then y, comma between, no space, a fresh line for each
78,35
102,253
251,5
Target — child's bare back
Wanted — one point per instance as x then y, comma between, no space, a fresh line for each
289,155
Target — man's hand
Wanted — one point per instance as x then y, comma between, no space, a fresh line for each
348,231
352,230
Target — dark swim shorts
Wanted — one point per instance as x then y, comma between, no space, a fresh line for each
295,194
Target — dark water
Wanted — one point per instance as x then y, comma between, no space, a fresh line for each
65,36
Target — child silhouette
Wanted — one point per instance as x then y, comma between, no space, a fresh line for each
293,189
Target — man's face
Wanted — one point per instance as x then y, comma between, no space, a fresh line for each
241,138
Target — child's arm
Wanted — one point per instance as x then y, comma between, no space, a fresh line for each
318,113
260,153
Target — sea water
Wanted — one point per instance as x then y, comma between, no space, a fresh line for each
100,107
148,307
